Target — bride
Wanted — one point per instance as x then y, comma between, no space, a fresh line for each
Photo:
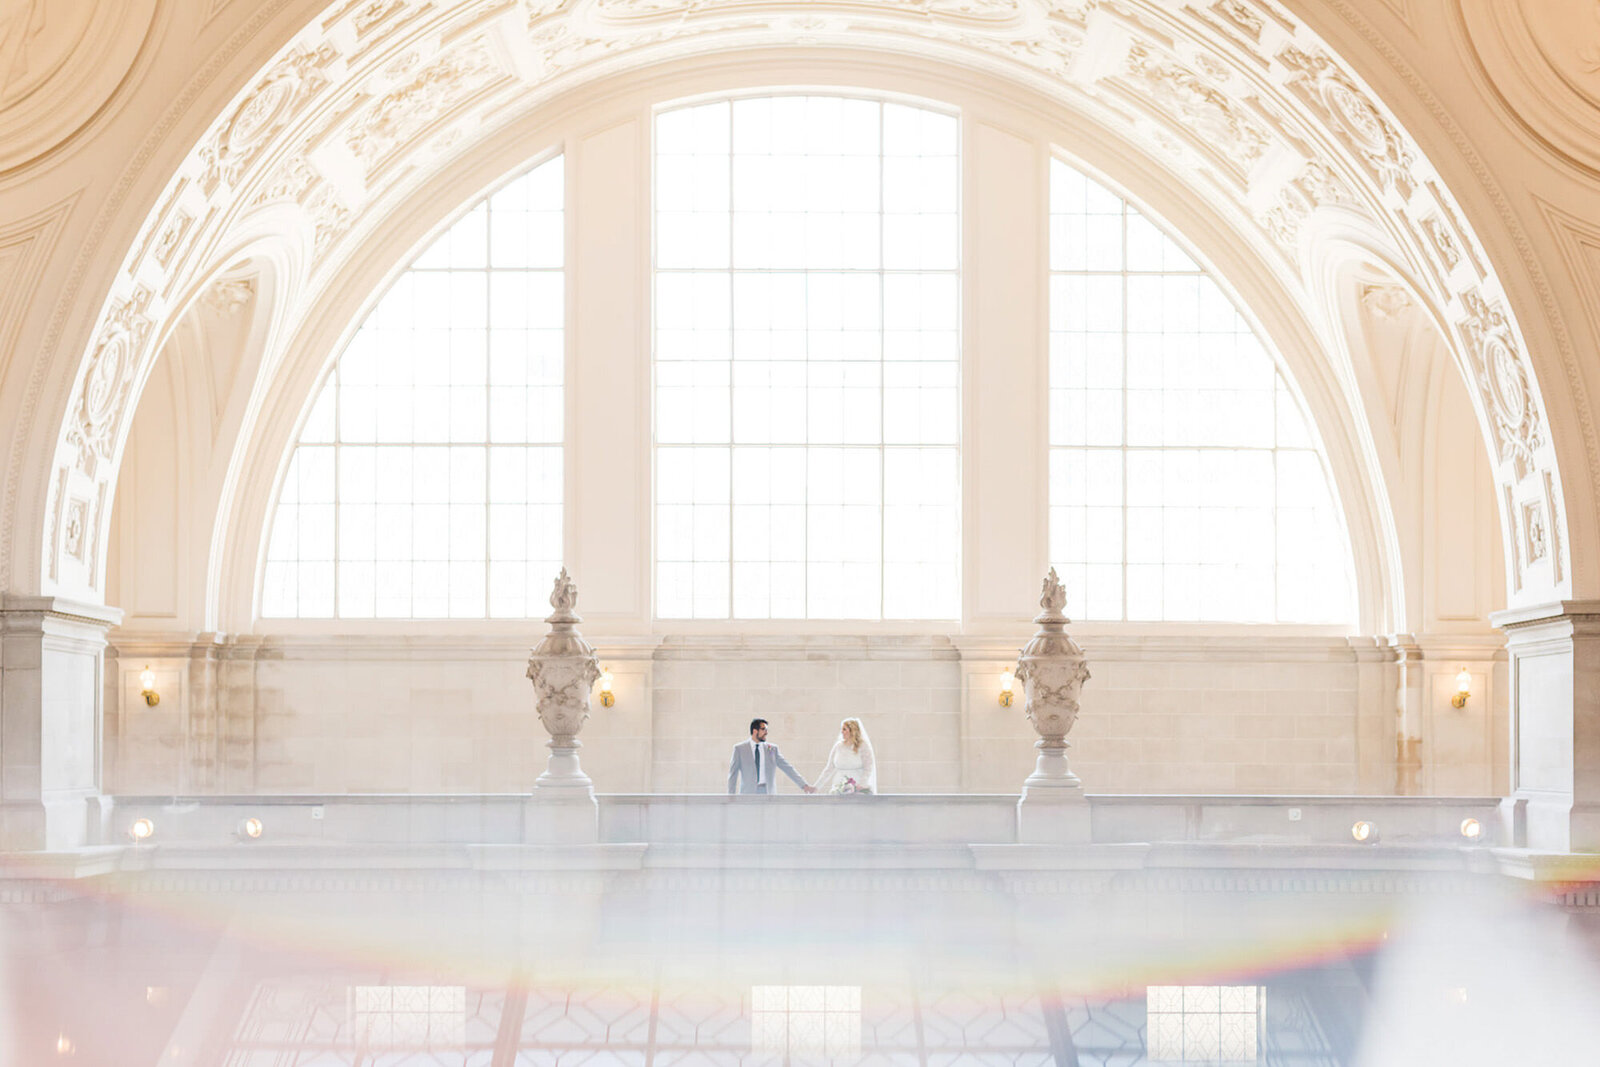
851,767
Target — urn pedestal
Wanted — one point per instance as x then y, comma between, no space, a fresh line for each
563,668
1052,670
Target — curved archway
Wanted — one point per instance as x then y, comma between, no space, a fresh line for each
1251,111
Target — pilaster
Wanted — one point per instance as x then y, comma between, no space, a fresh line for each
1555,724
52,687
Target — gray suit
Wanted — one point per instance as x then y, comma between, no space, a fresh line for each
742,769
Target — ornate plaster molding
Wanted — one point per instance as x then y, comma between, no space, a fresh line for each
1386,301
1543,58
59,64
1243,101
1533,265
25,247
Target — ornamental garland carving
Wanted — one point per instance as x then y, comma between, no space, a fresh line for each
1213,117
1350,115
1240,99
435,90
263,114
1503,382
112,369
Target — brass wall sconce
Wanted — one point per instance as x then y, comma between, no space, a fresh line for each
141,830
1463,689
1471,829
607,697
250,828
147,682
1364,833
1008,687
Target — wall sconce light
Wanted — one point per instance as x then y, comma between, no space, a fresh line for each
250,828
1364,832
64,1045
147,681
1463,689
1008,686
141,830
607,697
1471,829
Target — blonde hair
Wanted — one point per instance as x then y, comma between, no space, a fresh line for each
854,726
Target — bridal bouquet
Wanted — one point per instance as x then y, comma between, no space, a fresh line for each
846,786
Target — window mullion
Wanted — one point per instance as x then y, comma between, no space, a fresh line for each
732,311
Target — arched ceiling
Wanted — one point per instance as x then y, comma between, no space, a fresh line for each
1243,103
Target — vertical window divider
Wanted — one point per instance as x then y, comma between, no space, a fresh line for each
732,407
338,454
1122,226
488,408
883,382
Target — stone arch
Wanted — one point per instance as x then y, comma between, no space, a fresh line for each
1241,100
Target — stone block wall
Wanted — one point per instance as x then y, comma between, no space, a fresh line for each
412,714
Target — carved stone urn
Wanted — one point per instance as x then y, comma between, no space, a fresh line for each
1052,671
563,668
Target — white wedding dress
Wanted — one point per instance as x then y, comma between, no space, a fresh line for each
849,771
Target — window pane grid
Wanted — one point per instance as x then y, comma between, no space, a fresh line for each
427,482
1184,484
807,355
1218,1026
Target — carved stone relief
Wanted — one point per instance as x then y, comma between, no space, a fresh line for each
1239,95
1533,532
228,296
1213,118
1503,382
1386,301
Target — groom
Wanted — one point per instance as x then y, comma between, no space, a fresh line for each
754,761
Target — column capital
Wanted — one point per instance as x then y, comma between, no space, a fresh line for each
13,605
1583,614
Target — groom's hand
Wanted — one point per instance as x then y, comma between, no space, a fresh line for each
811,789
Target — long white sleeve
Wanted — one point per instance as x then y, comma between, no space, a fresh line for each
825,780
869,769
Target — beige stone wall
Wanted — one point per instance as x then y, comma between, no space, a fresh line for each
1217,714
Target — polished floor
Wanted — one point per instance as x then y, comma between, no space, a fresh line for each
359,969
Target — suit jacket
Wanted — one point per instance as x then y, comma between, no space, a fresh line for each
742,769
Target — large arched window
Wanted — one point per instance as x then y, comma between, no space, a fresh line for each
807,354
426,482
1184,482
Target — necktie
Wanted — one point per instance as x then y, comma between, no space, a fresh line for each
758,762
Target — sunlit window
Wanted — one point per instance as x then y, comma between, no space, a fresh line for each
1184,481
427,481
807,354
385,1017
805,1020
1218,1026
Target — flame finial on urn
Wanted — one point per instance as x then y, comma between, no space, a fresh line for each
564,599
1052,598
